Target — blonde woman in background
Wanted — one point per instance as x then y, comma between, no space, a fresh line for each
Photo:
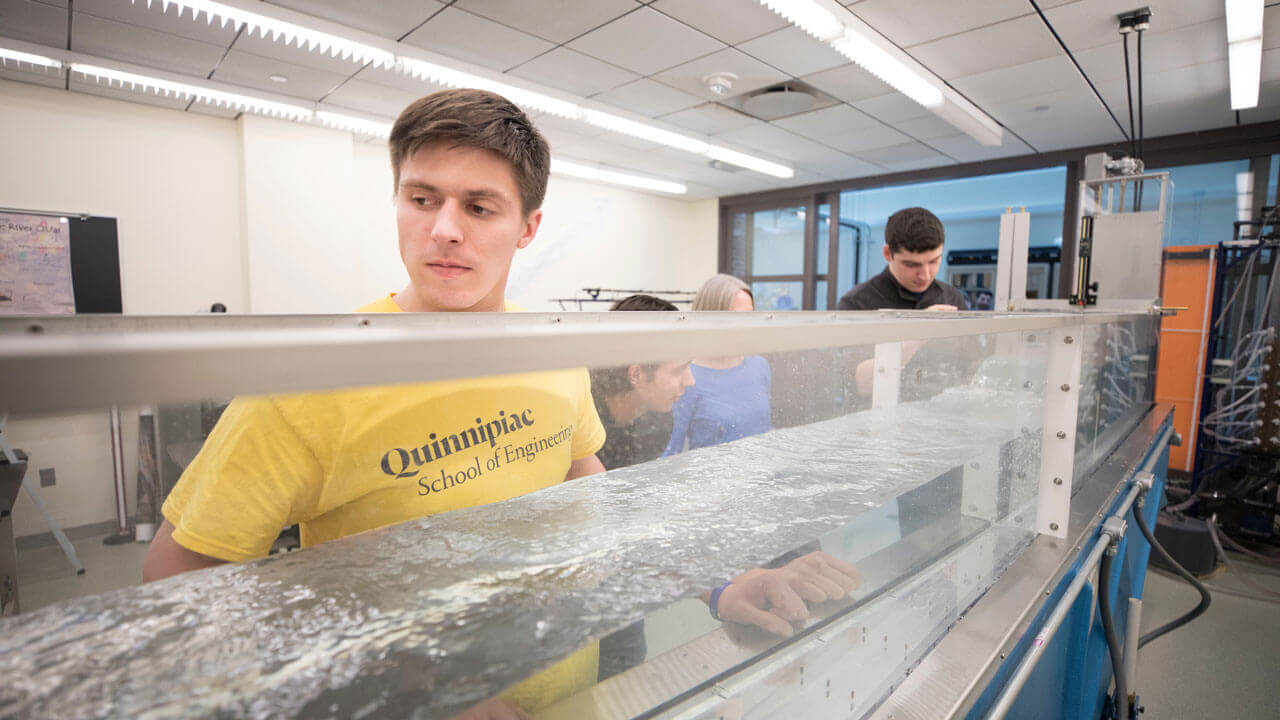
730,396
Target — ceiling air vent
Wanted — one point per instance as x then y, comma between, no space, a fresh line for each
779,101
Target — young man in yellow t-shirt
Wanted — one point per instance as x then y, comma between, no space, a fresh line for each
470,174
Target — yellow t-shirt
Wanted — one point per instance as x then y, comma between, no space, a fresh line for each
342,462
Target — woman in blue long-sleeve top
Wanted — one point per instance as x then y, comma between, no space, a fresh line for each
730,396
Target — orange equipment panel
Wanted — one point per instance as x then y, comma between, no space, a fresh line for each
1188,282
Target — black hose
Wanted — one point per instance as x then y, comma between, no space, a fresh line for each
1141,130
1205,597
1113,639
1128,94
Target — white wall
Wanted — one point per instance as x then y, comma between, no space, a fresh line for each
600,236
271,216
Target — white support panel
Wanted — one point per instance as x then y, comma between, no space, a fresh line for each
888,376
1011,260
1058,439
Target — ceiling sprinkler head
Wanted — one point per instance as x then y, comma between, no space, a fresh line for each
720,83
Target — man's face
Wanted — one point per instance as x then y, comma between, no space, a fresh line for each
914,270
659,391
460,222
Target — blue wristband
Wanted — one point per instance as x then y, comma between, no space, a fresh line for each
714,603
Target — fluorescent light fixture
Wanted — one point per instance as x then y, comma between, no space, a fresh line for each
845,33
1244,51
809,17
1244,63
1244,20
295,28
277,29
587,172
20,57
352,124
733,157
210,96
872,58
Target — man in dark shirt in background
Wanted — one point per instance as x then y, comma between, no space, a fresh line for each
913,250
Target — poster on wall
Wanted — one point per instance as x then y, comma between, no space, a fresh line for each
35,265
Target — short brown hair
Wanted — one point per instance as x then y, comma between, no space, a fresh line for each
914,230
479,119
611,381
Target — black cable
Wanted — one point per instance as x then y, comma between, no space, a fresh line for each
1113,639
1128,94
1079,69
1142,132
1205,597
1217,544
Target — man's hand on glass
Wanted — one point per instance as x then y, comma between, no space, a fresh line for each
819,577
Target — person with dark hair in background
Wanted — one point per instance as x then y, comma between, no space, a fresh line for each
913,240
634,403
913,250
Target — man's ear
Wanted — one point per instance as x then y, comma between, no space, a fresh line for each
888,256
531,224
633,375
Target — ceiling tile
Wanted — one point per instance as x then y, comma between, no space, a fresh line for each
848,82
1089,23
710,119
752,74
1207,112
388,18
129,43
868,138
828,124
33,22
896,157
471,38
1271,26
648,97
600,150
926,128
1009,83
646,41
965,149
845,167
156,17
767,138
573,72
1074,118
730,21
911,23
892,108
556,20
253,71
793,51
1017,41
255,44
372,98
1191,45
34,76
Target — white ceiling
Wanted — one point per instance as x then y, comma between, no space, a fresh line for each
650,57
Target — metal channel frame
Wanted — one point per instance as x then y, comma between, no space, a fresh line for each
976,652
52,365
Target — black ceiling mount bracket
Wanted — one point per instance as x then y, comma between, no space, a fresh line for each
1135,20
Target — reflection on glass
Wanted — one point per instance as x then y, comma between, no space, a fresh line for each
820,295
777,241
778,295
1207,201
